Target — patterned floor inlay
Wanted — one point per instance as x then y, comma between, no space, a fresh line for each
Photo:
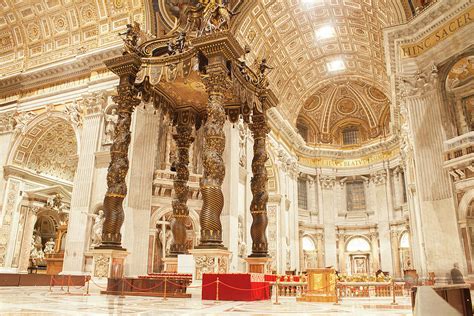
39,301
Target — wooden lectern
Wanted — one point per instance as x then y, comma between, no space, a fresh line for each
321,286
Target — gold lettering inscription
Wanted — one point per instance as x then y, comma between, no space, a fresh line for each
416,49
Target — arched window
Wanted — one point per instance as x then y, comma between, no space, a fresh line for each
350,135
405,240
308,244
358,244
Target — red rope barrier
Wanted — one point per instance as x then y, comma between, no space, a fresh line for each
190,287
240,289
141,289
100,287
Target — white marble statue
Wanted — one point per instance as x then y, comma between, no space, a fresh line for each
49,246
169,240
97,227
74,111
110,125
242,246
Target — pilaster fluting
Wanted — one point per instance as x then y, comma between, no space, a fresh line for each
258,185
183,139
212,159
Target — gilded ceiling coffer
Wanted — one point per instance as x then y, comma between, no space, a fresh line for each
258,184
126,67
184,122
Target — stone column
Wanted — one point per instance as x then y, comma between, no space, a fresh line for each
395,254
258,207
126,67
183,139
320,247
26,240
397,188
212,157
341,244
375,252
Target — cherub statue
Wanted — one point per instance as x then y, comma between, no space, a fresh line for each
264,67
132,37
181,41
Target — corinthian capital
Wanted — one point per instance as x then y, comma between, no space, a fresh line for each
419,83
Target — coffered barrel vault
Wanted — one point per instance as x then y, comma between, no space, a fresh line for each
33,33
305,40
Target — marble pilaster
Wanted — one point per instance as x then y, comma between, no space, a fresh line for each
140,180
230,212
395,253
436,213
76,240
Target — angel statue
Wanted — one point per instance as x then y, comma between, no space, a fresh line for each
133,36
215,16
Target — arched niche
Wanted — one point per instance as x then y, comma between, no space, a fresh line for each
47,147
358,252
310,252
404,242
160,236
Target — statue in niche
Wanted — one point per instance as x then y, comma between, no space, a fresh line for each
166,239
97,227
242,246
242,143
74,111
36,253
288,254
111,121
49,247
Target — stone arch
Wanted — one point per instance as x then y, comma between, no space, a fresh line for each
355,237
463,206
48,145
452,125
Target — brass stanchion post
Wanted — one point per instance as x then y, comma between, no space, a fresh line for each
164,295
87,288
277,289
336,290
122,289
394,302
68,281
217,290
50,283
62,283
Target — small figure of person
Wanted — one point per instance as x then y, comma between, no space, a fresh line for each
456,274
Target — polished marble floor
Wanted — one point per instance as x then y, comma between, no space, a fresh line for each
40,301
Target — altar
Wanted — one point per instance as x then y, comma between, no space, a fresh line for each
235,287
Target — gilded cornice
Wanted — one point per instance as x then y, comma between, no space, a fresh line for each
57,73
331,157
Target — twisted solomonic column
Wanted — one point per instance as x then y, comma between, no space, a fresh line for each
183,139
258,185
116,186
213,163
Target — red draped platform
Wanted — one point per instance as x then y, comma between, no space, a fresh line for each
236,287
